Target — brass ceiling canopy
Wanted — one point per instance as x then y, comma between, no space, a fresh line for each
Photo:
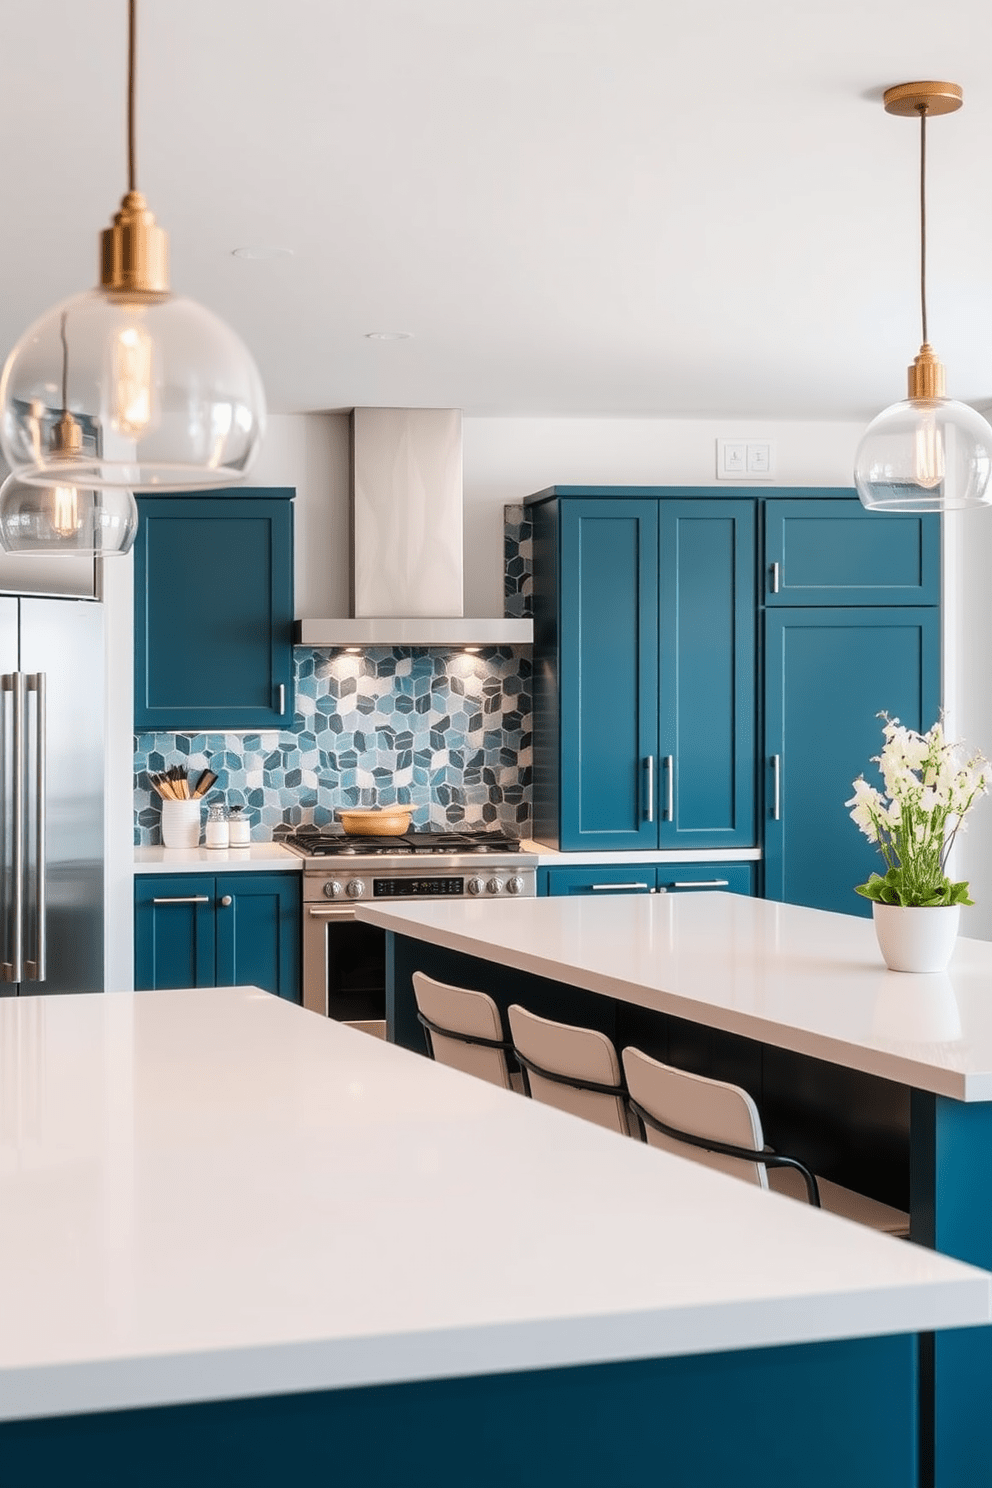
912,99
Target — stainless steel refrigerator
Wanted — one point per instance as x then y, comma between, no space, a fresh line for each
51,795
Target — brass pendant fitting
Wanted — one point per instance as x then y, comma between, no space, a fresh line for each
926,375
67,437
134,252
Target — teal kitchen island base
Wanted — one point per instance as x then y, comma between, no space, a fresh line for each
242,1243
820,1415
879,1080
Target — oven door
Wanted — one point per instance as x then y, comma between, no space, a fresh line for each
344,967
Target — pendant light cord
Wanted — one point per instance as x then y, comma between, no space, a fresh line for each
65,363
923,217
132,172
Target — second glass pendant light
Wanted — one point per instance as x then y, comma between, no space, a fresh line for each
928,453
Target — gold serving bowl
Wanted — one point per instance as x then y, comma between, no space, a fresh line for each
383,821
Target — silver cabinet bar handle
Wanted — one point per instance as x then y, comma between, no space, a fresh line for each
699,883
37,971
185,899
776,787
282,697
669,765
773,586
612,888
330,914
649,788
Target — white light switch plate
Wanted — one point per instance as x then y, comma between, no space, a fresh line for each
745,459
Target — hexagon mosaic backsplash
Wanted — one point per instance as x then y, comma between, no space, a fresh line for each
446,732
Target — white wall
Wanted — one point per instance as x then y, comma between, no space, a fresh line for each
311,451
507,459
967,604
118,853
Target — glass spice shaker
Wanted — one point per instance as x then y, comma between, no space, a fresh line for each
217,834
239,827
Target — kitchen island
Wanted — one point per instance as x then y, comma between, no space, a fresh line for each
797,1005
242,1243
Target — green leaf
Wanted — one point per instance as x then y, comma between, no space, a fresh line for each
892,889
877,888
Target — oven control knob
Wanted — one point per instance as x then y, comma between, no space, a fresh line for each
354,888
475,886
514,885
494,885
332,889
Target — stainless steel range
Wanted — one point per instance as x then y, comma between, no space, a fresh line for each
344,970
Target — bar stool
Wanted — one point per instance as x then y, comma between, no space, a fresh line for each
575,1069
464,1030
718,1124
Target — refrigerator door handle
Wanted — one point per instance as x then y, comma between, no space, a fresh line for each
12,970
35,970
6,812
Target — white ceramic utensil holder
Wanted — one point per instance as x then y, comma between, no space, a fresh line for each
181,823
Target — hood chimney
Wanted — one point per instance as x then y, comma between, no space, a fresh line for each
406,526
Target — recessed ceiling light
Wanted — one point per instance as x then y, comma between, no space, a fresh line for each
389,335
261,250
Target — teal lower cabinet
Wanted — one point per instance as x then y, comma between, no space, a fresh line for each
233,929
648,878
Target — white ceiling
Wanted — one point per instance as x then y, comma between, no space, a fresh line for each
576,207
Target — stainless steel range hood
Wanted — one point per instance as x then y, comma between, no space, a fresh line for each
406,530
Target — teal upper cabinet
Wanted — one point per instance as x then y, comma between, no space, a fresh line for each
214,611
834,552
644,670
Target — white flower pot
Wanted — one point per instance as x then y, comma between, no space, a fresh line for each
916,939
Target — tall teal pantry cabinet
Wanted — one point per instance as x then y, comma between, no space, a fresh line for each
644,675
851,629
708,668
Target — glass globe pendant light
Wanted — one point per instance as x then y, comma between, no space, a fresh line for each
164,395
63,518
928,453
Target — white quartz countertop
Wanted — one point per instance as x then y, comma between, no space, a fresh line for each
272,855
264,857
211,1194
800,979
551,857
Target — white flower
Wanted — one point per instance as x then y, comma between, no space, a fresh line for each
930,787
